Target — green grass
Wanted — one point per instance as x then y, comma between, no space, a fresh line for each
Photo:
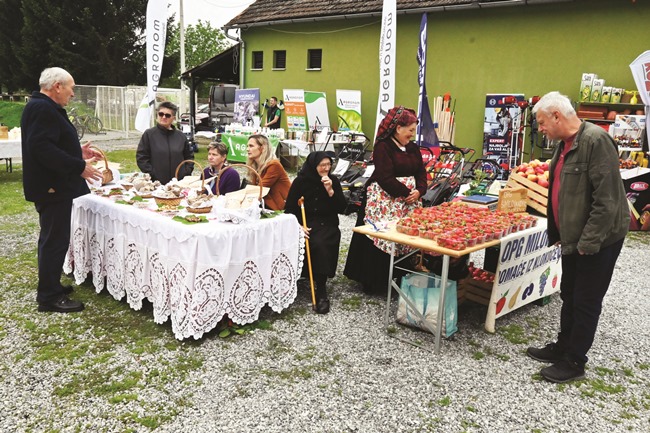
126,159
10,113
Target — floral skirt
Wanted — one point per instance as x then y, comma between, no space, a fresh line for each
381,206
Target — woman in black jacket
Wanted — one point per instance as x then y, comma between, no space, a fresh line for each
324,200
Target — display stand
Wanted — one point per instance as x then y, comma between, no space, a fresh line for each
418,243
527,270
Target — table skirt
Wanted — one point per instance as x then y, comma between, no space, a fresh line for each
193,274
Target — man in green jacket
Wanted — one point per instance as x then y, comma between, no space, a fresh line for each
588,215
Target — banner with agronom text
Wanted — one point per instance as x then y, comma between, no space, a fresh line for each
156,32
317,114
387,53
294,109
348,110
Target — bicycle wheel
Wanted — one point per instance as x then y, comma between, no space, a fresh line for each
80,130
94,125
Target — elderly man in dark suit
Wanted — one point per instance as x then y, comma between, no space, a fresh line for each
55,170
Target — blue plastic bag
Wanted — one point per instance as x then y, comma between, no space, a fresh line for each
423,290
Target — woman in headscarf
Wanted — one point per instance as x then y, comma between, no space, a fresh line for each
393,190
324,200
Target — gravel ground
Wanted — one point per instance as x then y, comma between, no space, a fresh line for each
339,372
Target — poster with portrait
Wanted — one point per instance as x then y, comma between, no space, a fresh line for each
247,106
501,125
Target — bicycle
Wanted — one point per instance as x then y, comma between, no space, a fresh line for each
92,124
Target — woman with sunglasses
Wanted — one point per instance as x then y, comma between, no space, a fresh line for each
163,147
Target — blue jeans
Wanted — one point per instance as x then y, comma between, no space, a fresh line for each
585,280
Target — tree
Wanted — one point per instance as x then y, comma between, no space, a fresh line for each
202,42
10,25
99,42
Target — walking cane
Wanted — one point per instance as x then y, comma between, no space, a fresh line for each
301,202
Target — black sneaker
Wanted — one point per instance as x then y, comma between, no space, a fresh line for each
563,371
549,353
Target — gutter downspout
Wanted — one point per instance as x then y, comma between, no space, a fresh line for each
242,54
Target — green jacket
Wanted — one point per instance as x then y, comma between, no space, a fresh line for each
593,206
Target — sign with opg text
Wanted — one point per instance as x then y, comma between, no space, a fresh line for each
527,270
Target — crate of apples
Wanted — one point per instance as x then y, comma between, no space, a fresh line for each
535,171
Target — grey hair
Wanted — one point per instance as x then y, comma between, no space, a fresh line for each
555,101
51,76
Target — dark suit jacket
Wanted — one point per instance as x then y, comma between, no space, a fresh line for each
52,161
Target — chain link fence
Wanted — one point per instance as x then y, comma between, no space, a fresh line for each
116,107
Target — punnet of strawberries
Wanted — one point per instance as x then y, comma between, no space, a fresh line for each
458,226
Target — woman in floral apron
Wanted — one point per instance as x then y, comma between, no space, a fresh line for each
394,189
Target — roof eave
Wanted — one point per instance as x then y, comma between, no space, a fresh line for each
431,9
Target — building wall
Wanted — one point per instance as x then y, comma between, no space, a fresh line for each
522,49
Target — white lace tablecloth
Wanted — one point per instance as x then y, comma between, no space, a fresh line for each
193,274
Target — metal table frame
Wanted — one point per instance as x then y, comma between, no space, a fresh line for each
418,243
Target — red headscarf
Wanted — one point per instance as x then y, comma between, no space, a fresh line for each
396,116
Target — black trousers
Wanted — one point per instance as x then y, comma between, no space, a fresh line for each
53,241
585,280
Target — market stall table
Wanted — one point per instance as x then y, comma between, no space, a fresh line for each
193,274
10,149
525,262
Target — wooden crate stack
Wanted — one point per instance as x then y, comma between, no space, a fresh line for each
537,194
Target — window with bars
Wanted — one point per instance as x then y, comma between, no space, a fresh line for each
314,59
258,60
279,59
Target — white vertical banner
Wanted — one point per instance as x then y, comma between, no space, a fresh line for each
156,33
641,72
387,50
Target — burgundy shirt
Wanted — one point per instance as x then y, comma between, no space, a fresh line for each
391,162
555,197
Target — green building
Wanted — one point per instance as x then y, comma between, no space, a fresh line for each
474,48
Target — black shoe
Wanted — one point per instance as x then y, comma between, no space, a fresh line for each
563,371
62,305
67,290
549,353
323,306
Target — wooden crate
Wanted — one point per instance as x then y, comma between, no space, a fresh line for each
537,194
475,291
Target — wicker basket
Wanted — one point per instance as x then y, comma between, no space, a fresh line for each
107,174
189,208
172,201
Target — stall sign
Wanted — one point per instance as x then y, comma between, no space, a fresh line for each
527,270
348,110
317,114
502,122
294,109
247,106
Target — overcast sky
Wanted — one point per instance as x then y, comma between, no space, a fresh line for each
216,12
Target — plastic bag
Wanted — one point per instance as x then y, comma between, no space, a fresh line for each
423,290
